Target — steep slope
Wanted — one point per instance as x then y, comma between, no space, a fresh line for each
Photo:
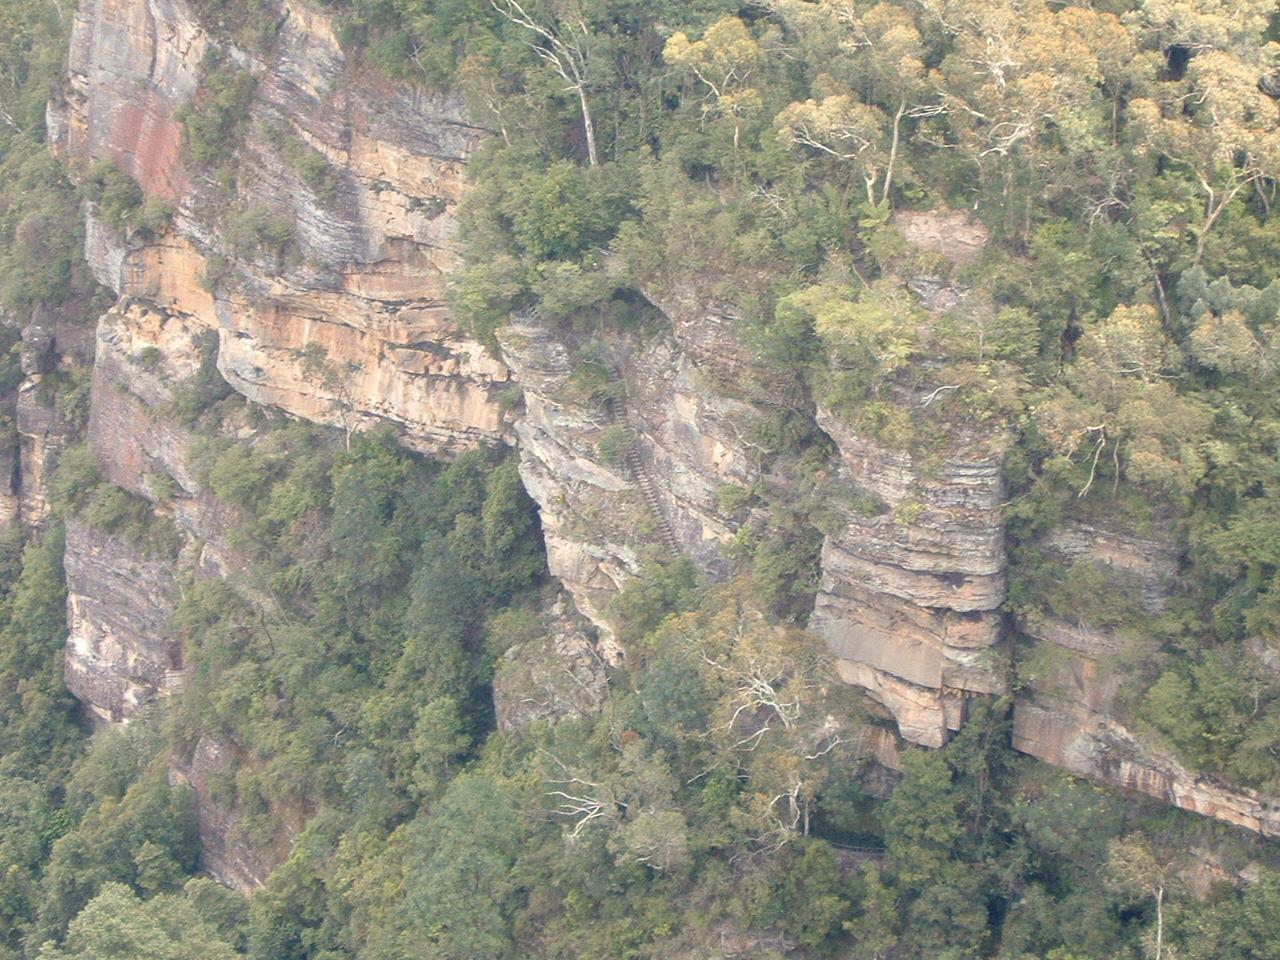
307,264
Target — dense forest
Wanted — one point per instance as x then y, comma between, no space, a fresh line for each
1124,156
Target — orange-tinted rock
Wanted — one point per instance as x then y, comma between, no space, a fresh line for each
365,284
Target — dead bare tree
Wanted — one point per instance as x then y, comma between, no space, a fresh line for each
565,48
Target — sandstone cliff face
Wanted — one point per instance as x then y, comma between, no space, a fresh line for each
592,514
909,601
120,654
1070,714
346,325
348,329
910,597
681,440
119,598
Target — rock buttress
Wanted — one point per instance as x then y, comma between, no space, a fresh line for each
909,602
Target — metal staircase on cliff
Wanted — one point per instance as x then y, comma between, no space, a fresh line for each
616,408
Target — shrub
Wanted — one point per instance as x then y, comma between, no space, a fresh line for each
198,393
118,196
74,477
73,396
214,121
251,24
311,166
614,443
253,230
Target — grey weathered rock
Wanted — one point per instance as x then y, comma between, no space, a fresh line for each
225,853
120,654
554,675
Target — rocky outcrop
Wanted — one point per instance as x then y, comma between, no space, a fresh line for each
555,674
1090,744
626,461
120,656
1069,710
909,599
145,357
44,431
343,322
10,488
593,517
133,64
912,582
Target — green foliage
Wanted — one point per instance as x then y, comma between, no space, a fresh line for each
148,835
538,235
117,511
311,166
196,395
424,40
40,732
217,118
1221,714
667,589
1235,928
386,570
614,443
253,231
868,335
117,195
73,398
460,871
251,24
557,214
809,895
74,480
121,201
78,489
116,925
41,237
37,712
1081,592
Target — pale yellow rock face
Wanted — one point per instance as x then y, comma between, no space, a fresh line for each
350,328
